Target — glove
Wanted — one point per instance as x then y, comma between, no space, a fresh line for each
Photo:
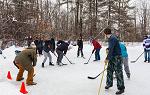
33,64
52,51
64,54
92,51
106,61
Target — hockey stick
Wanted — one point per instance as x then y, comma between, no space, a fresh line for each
137,58
68,60
57,57
3,56
97,75
88,59
100,86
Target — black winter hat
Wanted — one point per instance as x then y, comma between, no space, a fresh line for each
145,37
107,31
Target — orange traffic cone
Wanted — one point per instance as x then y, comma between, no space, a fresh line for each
9,75
23,88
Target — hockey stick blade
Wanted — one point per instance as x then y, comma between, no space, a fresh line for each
91,77
137,58
64,64
133,61
97,75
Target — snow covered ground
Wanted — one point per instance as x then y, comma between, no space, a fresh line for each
72,78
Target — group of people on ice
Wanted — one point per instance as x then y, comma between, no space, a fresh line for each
27,59
117,55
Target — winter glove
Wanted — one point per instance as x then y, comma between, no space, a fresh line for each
92,51
34,64
106,61
107,50
52,51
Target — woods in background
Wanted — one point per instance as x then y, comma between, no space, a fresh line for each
64,18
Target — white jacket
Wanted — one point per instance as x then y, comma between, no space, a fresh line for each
146,44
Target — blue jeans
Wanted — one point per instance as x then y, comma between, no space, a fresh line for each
97,55
147,55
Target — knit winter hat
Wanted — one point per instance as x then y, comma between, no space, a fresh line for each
33,45
107,31
145,37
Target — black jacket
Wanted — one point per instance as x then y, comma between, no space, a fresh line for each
62,46
39,43
47,46
80,43
53,44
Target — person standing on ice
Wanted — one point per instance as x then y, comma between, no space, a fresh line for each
39,45
46,51
61,50
53,44
29,41
114,61
96,49
146,45
80,47
125,58
26,60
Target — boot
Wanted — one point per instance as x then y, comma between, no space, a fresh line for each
50,63
95,60
43,65
33,83
128,75
21,79
107,87
120,92
59,64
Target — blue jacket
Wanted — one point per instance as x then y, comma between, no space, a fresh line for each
123,50
114,47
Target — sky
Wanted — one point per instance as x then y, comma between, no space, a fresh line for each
132,2
138,3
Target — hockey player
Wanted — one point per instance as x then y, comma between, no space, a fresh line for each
125,58
61,50
46,51
96,49
114,61
80,47
26,60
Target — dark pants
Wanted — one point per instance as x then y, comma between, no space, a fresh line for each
0,52
40,49
60,56
29,44
80,50
115,65
97,55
